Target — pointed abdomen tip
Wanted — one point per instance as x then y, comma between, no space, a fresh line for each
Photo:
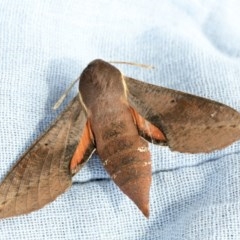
145,210
138,191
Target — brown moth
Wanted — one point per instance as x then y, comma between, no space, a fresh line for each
115,115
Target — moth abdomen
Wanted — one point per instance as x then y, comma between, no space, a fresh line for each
128,163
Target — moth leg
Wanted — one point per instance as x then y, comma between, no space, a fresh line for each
146,129
84,149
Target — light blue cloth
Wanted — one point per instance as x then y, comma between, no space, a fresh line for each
194,46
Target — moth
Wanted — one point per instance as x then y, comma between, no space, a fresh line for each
116,116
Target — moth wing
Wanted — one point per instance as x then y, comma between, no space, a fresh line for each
189,123
43,171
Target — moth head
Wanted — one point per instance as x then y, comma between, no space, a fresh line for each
100,81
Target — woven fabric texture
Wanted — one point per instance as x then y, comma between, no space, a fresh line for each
194,46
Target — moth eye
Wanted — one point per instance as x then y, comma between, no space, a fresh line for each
46,144
172,100
221,126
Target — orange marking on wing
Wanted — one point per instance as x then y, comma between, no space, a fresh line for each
85,140
147,127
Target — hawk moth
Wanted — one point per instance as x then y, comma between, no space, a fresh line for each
117,116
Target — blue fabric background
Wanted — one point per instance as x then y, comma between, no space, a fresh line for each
194,46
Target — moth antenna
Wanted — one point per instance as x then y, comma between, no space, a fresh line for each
64,95
133,64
